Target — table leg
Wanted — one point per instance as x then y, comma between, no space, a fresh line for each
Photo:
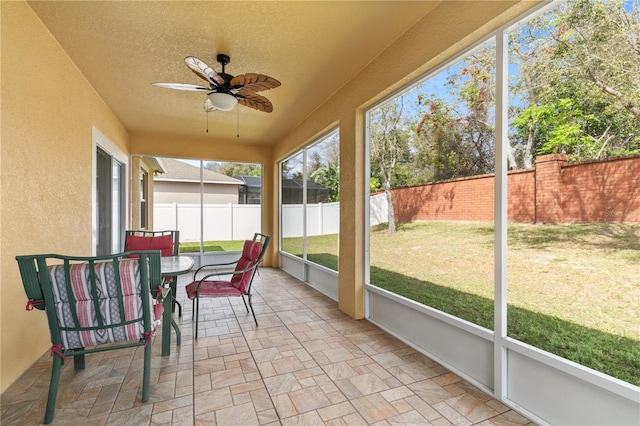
167,323
166,326
173,284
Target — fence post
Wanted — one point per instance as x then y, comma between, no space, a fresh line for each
231,220
175,215
548,188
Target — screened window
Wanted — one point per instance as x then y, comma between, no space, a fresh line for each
573,245
573,77
203,200
310,202
431,155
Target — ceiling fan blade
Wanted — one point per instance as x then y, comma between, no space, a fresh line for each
183,86
203,70
255,101
254,82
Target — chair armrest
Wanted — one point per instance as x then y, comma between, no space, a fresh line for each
213,265
239,271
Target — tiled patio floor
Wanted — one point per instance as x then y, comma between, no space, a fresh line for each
307,363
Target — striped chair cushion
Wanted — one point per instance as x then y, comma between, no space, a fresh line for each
109,303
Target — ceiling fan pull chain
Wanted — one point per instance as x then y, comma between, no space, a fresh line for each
207,121
238,123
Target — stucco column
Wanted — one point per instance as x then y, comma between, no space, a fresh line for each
134,195
351,262
270,209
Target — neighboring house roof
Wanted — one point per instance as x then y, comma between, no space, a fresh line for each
256,182
179,171
297,183
251,181
156,164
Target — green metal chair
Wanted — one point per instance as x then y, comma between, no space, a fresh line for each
239,283
93,304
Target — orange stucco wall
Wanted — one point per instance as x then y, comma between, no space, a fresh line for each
48,112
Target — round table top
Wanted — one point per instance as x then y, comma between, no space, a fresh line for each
175,265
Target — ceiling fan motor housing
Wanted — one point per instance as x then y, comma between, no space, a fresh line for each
223,59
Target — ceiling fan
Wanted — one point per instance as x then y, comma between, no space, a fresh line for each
225,90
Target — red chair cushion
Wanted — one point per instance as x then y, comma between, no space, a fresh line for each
164,243
251,250
212,289
250,253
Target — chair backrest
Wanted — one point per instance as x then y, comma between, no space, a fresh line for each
91,301
168,242
252,253
264,239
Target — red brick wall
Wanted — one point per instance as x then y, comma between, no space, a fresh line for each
602,191
548,188
554,192
520,203
463,199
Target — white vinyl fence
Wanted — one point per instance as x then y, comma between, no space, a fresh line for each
227,222
222,222
378,209
322,219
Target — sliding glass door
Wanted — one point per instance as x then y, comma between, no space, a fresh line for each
110,202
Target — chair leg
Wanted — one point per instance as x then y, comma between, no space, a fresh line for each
196,309
245,302
53,388
252,312
177,330
146,374
78,362
174,291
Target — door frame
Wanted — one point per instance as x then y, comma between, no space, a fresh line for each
99,140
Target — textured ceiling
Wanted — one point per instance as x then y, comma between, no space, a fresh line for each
312,47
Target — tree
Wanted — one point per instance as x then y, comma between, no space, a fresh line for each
455,136
439,141
579,81
235,169
323,164
389,136
525,45
601,41
574,88
328,175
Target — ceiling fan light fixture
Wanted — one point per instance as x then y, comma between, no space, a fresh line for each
222,101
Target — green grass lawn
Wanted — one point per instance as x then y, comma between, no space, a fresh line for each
212,246
573,290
